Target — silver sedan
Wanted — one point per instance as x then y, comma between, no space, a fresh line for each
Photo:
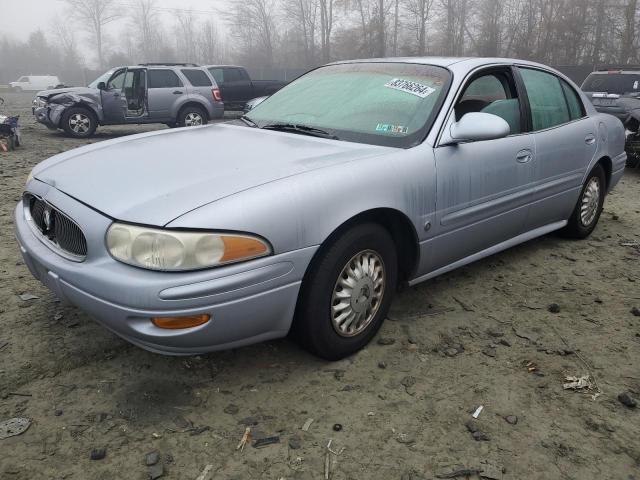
305,215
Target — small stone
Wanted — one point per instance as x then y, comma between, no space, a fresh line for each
294,442
58,412
495,333
231,409
635,311
554,308
451,352
472,426
337,427
480,436
405,439
489,351
511,419
98,453
156,471
408,381
152,458
386,341
627,400
382,364
505,342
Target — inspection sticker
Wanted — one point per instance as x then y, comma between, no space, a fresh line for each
414,88
385,127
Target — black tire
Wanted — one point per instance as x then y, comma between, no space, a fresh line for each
186,114
577,227
313,325
79,122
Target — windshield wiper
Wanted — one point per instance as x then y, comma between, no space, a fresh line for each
302,129
248,121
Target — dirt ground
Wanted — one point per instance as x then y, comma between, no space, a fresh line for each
400,409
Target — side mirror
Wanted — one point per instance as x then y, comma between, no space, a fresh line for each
476,126
102,86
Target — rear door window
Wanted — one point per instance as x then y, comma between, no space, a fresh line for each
163,79
197,78
546,99
217,74
576,109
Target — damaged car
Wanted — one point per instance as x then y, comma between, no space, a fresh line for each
178,95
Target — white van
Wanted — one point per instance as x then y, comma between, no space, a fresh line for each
35,82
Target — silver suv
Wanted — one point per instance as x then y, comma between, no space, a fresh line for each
177,94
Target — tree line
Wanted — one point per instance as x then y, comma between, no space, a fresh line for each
306,33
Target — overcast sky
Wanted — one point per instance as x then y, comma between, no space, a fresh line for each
18,18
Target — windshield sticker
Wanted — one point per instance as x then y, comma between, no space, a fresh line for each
385,127
408,86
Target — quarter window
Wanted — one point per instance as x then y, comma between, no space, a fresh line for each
576,109
197,78
163,79
546,99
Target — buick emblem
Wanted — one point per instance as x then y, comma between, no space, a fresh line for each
47,218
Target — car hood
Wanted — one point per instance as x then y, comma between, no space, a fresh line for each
155,177
81,91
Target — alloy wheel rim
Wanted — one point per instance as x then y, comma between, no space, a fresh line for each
193,119
590,202
79,123
358,293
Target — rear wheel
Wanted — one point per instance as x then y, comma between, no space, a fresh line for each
192,116
347,292
79,122
587,212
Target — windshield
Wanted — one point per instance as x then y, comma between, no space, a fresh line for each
619,83
102,78
390,104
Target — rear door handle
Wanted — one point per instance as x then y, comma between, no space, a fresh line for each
590,139
177,92
524,156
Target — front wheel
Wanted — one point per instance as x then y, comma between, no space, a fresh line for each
347,292
587,212
79,122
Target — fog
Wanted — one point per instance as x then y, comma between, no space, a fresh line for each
78,39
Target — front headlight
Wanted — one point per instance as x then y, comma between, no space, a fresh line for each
176,250
39,102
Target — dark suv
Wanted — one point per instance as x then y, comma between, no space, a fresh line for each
617,92
179,94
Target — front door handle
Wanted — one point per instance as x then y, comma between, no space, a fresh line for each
524,156
590,139
177,92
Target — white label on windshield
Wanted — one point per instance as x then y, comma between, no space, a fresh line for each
408,86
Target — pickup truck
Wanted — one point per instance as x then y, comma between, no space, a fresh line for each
237,87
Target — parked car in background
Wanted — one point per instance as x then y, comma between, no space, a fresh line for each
617,92
34,83
237,87
313,207
177,94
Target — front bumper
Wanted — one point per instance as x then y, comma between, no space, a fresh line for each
43,115
248,302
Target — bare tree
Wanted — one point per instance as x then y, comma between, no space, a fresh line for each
94,15
145,21
419,11
326,26
186,35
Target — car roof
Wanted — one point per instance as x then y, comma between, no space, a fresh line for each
451,62
223,66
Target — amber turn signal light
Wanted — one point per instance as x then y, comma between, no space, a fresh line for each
181,322
242,247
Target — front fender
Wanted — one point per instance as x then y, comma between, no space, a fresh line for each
303,210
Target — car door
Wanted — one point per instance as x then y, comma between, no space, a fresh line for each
114,102
565,141
483,187
164,88
236,88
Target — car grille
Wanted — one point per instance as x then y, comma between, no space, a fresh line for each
56,227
